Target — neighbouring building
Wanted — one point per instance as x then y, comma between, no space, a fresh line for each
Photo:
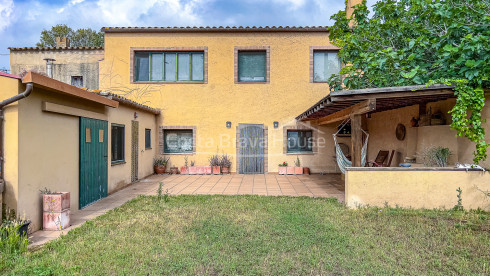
233,90
78,66
64,138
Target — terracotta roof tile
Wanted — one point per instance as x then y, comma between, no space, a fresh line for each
217,29
53,48
127,102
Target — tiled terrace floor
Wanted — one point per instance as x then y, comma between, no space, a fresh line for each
329,185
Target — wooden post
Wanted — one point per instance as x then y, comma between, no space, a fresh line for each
356,139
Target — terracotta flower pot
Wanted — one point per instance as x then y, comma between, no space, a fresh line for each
184,170
56,202
298,170
208,170
306,170
160,169
200,170
290,170
225,170
174,170
216,170
282,170
192,170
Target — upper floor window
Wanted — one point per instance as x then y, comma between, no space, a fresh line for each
325,63
169,66
252,66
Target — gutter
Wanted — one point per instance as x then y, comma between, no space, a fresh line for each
4,103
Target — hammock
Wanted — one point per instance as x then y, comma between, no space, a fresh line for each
342,161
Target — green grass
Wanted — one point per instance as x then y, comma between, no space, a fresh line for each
251,235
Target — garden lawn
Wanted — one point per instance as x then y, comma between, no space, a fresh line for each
251,235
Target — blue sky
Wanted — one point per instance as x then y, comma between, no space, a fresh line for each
22,21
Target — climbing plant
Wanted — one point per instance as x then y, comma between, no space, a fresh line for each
414,42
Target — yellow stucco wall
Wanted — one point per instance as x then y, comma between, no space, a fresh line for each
120,174
416,189
9,87
209,106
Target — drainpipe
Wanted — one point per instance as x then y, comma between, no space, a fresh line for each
4,103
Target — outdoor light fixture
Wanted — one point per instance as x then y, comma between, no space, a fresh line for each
135,115
228,124
276,124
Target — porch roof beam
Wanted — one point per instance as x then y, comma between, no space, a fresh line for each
357,109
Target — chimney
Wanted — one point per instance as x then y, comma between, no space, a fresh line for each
49,66
348,7
62,42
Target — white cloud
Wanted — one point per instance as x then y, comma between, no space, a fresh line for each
6,9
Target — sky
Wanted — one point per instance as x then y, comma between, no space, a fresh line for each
22,21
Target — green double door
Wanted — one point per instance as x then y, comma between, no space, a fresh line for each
93,161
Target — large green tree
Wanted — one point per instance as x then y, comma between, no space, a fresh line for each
409,42
78,38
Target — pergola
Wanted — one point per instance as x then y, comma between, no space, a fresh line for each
344,104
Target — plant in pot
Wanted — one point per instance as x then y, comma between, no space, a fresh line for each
297,166
160,164
174,170
56,210
192,168
14,225
436,156
225,163
283,168
185,168
215,163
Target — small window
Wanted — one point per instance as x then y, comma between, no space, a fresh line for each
88,135
325,64
77,81
300,141
169,66
252,66
117,143
147,138
178,141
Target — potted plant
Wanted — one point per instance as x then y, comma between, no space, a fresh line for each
160,164
200,169
174,170
21,224
225,163
289,170
215,163
185,168
56,210
283,168
297,166
192,168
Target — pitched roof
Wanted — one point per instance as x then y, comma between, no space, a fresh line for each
215,29
129,102
9,75
55,48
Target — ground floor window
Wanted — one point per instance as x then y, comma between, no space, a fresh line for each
300,141
117,143
178,140
147,138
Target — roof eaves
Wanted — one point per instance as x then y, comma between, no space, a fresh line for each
129,102
55,48
216,29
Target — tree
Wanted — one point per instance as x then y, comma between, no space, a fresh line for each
410,42
78,38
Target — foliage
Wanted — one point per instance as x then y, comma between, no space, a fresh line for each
193,163
414,42
283,164
297,163
159,191
435,156
257,235
186,160
161,161
225,160
78,38
214,160
11,241
45,191
459,205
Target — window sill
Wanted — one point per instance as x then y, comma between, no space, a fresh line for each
320,82
179,153
301,153
115,163
251,82
147,148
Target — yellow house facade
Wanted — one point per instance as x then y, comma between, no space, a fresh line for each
213,83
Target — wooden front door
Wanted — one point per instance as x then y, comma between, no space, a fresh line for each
134,150
92,161
251,149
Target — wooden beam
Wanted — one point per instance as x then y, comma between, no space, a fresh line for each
357,109
392,95
356,139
